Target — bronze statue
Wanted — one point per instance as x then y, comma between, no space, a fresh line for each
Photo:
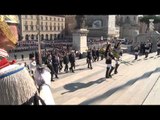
81,21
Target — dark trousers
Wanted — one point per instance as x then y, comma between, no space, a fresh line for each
52,71
146,54
55,68
66,68
89,63
158,51
60,65
136,56
72,66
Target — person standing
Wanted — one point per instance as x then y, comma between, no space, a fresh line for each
117,50
97,54
66,61
147,48
136,51
15,56
55,63
72,61
22,56
49,65
89,58
109,56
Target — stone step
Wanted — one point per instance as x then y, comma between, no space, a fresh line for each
74,77
136,94
154,96
125,84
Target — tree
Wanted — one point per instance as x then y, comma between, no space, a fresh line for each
145,19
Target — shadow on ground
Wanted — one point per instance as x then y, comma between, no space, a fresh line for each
76,86
113,90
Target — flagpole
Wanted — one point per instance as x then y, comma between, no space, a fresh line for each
39,41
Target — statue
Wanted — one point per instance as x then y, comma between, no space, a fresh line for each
151,25
81,21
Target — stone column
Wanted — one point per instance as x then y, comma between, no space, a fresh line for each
80,40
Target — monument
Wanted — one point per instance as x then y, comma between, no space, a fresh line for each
151,35
80,34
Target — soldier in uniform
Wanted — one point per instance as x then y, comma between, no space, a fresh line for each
136,50
117,53
147,48
109,56
158,47
89,58
16,84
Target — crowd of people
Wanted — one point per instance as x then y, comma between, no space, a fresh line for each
144,48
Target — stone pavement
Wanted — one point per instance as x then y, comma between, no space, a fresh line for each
137,83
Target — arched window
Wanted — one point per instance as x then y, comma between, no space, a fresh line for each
32,37
46,36
42,37
27,37
50,36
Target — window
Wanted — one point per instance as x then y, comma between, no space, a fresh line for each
54,28
58,28
25,22
61,27
50,18
41,23
31,16
42,37
62,36
41,17
54,19
46,36
46,27
58,19
46,18
50,36
55,36
31,22
31,27
26,27
42,27
27,37
50,28
32,37
25,16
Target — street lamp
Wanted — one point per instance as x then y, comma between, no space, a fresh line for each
39,41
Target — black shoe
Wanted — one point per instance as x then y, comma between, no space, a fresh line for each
110,76
107,76
115,72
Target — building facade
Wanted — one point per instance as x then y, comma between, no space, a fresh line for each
129,26
101,25
51,27
70,24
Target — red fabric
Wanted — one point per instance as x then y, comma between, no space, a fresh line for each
4,63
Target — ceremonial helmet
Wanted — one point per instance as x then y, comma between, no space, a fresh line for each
5,21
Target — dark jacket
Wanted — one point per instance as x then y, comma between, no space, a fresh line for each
55,60
71,58
109,56
89,55
66,59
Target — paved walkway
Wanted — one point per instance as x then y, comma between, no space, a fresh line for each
136,83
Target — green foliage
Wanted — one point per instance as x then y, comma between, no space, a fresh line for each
145,19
